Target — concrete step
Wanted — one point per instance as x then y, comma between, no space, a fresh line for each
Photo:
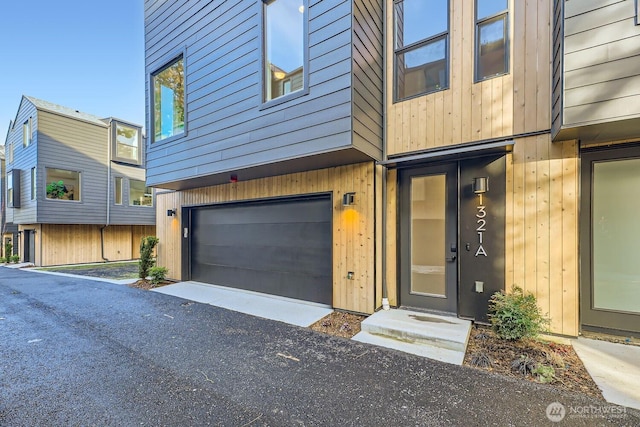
435,336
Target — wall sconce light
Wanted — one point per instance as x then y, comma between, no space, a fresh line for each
480,185
233,178
171,212
348,199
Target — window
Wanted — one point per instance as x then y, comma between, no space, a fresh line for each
421,47
63,184
139,194
10,153
492,54
26,133
284,47
127,144
118,190
33,183
10,189
168,100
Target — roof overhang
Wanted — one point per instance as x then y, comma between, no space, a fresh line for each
451,153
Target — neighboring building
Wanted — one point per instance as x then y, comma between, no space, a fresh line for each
9,230
463,189
76,186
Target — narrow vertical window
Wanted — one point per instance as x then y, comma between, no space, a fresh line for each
33,183
10,189
421,46
26,133
492,53
118,190
10,153
284,47
168,101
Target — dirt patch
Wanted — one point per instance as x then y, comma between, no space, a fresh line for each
530,360
339,324
146,284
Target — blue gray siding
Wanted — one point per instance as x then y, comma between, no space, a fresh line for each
228,130
24,159
600,91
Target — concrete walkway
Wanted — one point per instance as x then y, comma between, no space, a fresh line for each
294,312
614,367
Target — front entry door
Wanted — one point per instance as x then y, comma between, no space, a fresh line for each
428,233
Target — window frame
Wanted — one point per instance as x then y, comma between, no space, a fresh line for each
444,35
264,103
34,178
131,180
116,180
114,143
27,133
637,17
10,189
479,23
80,192
167,62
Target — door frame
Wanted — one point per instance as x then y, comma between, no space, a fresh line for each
448,304
590,318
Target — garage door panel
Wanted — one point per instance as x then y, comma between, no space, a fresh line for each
262,235
283,247
296,259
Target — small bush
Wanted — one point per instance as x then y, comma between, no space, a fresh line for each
147,245
15,259
8,250
545,374
516,315
523,365
158,275
3,260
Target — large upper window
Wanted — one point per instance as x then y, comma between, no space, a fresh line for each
127,144
284,47
421,47
63,184
168,100
26,133
139,194
492,53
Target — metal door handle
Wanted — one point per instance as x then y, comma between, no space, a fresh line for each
453,258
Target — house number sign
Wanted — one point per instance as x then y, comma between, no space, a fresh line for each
481,221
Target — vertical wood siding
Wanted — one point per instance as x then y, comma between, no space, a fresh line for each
76,244
353,228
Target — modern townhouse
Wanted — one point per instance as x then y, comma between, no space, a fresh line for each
425,154
76,186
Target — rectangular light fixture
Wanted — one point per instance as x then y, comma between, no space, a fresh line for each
348,199
171,212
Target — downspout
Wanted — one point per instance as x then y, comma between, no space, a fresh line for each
108,218
385,292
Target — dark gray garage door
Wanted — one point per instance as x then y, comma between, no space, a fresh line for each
280,248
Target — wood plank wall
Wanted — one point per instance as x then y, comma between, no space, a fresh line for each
77,244
353,228
542,177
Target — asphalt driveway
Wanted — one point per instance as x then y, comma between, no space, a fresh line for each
79,352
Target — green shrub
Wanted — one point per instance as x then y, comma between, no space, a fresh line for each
15,258
516,315
147,245
545,374
8,250
3,260
158,274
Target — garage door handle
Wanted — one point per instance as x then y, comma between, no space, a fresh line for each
451,259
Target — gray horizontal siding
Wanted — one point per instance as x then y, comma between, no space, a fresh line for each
125,214
227,128
601,62
24,159
73,145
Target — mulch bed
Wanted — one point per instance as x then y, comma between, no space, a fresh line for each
146,284
519,358
339,324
